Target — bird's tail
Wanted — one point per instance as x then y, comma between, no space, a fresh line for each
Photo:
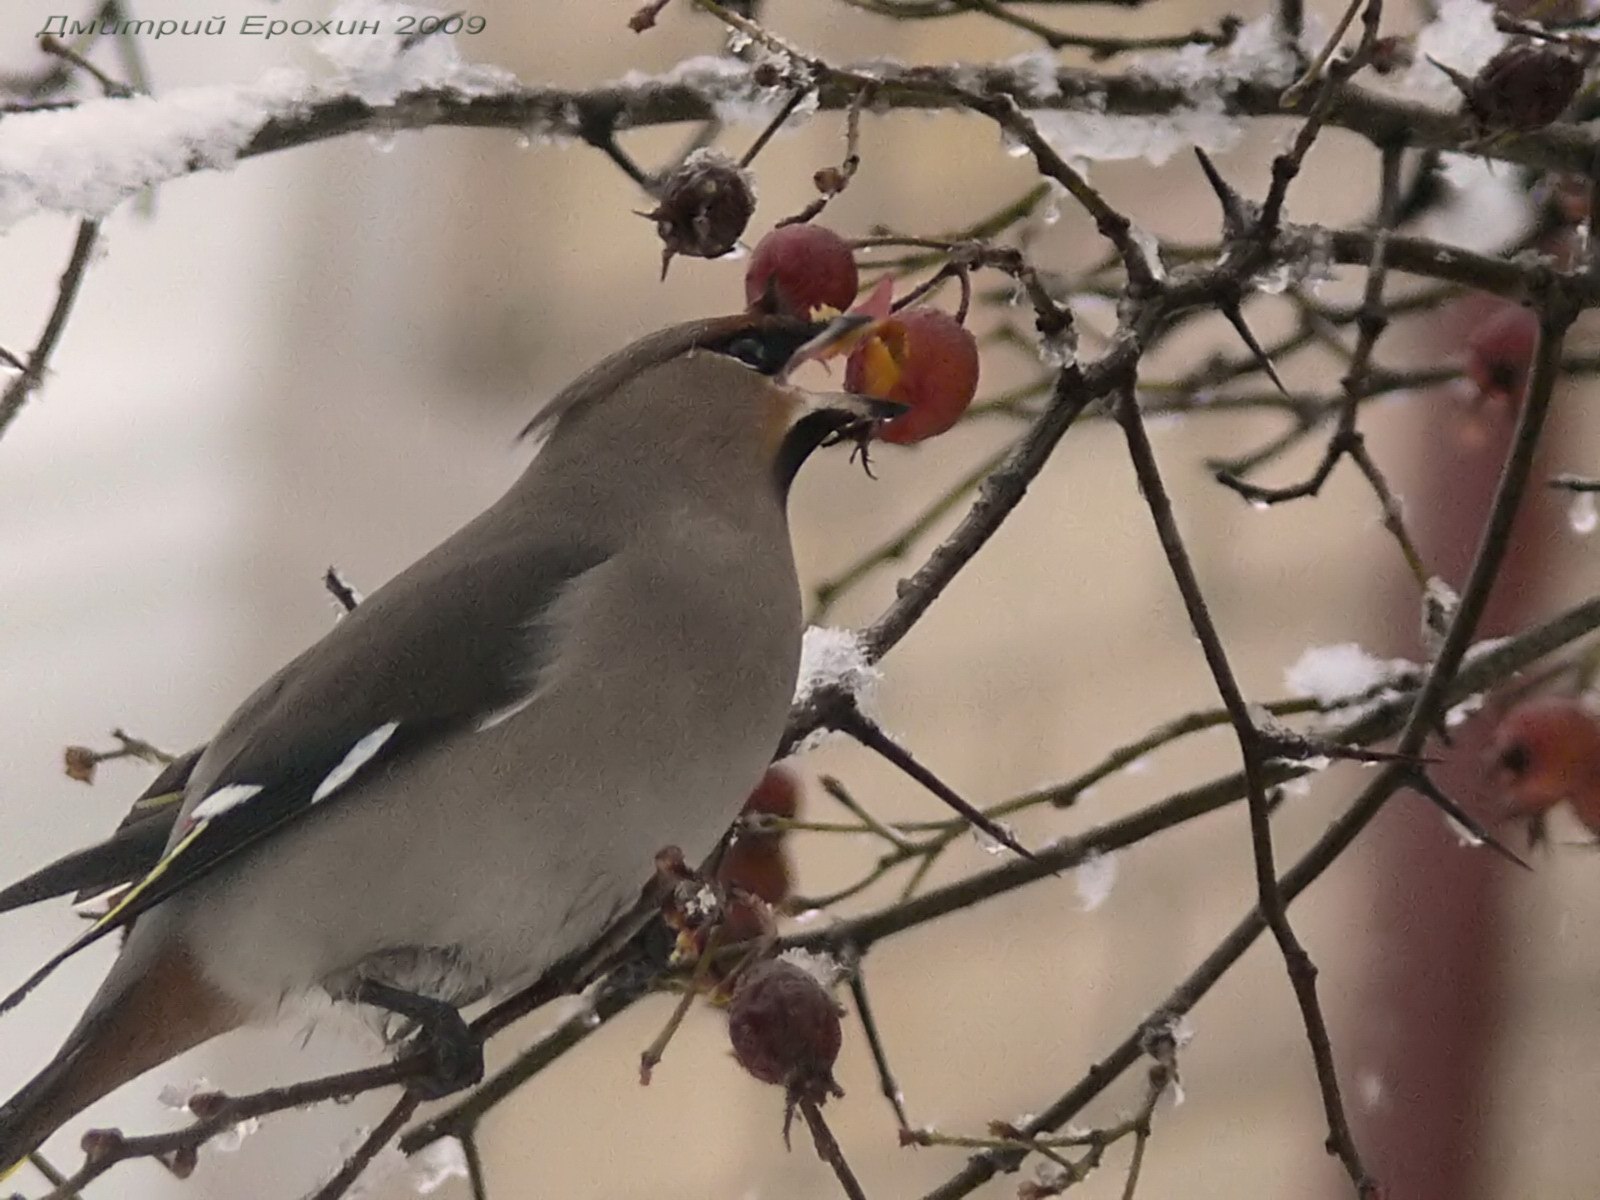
133,1024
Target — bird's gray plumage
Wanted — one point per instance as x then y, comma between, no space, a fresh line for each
506,847
469,777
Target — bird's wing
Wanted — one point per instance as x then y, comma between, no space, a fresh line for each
460,639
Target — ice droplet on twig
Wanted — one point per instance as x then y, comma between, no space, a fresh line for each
1439,604
230,1139
176,1096
1583,514
1094,878
435,1165
991,844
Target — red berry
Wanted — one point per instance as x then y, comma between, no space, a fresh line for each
924,358
758,862
778,793
798,268
1500,353
1547,751
784,1027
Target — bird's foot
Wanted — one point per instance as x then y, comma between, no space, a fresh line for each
457,1057
442,1034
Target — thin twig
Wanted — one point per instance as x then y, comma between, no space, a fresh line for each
23,386
1302,971
887,1083
828,1148
371,1146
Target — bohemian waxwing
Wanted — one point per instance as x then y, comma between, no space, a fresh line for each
467,780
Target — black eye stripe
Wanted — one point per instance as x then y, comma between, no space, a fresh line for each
767,348
752,352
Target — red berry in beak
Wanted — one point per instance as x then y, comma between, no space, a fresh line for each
923,358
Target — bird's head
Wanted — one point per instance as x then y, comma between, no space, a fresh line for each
797,420
707,390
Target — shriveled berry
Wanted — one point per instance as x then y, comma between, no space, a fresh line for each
1390,54
785,1029
923,358
1500,353
703,208
79,763
798,268
1525,86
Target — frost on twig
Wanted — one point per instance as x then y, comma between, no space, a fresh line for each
1335,676
1208,77
836,659
89,159
378,69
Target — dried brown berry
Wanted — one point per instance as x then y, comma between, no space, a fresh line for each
784,1027
703,208
1525,86
830,181
1389,54
79,763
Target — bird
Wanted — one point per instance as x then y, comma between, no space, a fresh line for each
467,779
1544,752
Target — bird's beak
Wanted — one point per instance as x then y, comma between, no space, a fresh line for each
838,336
846,331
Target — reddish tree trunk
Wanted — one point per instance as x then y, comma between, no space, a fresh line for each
1433,989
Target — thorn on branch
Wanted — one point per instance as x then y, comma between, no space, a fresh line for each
1423,785
1235,212
1235,316
866,731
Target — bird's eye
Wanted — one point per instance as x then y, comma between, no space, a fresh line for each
1515,758
754,352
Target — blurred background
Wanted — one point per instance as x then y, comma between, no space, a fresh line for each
324,356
